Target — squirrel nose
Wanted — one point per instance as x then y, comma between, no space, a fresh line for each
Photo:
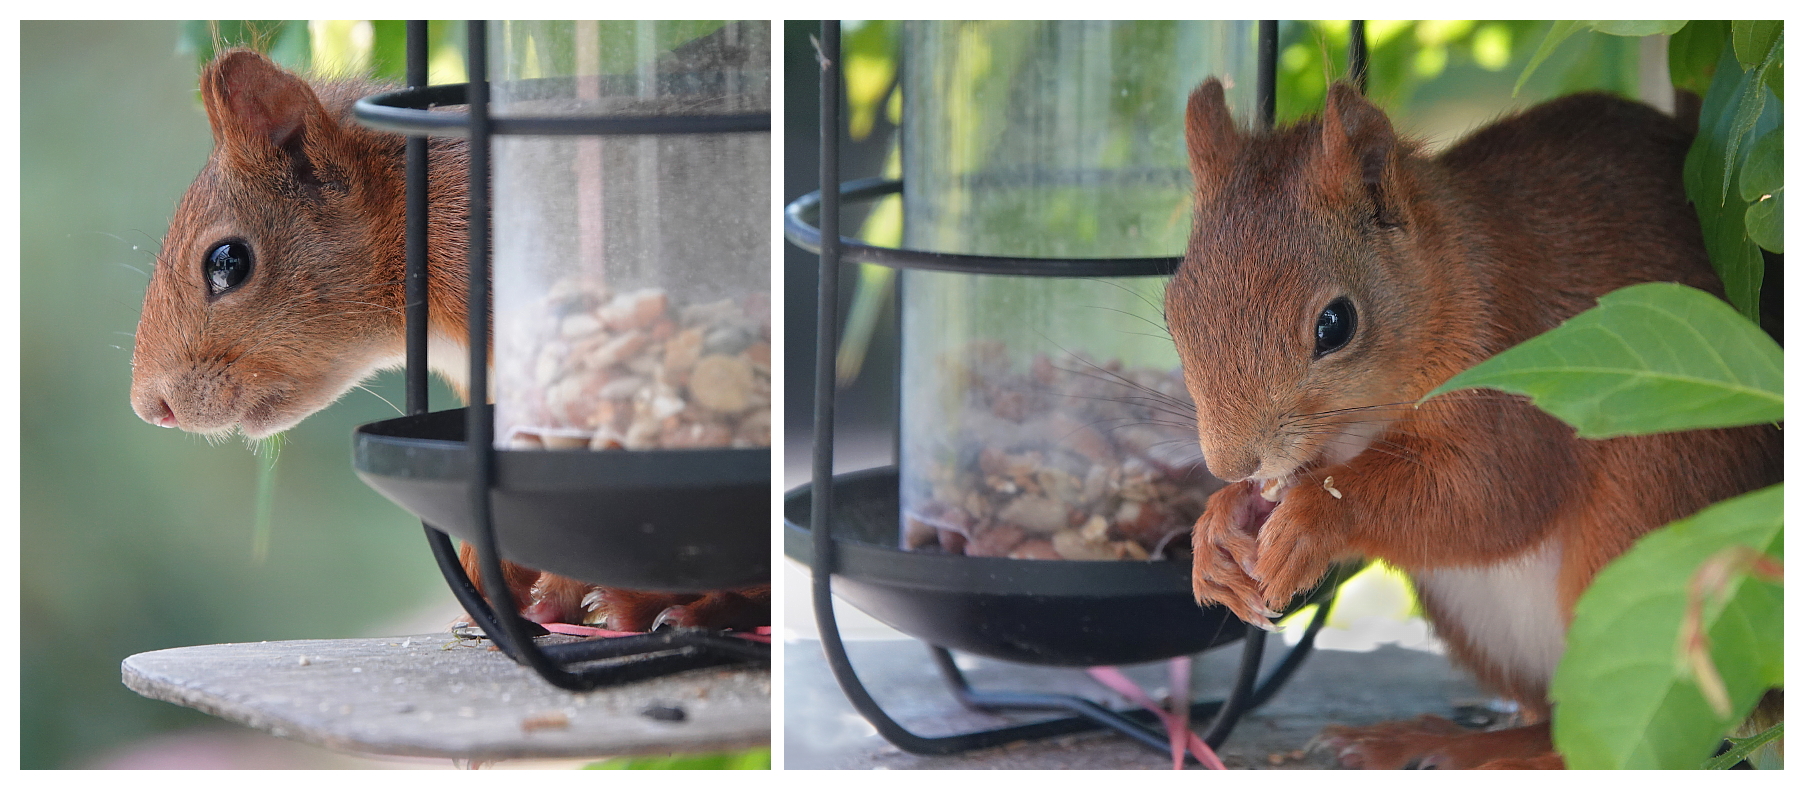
160,415
165,416
1232,467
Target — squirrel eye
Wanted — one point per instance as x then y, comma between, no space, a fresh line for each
227,265
1336,325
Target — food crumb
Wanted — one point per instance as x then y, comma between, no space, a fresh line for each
1272,490
1333,491
549,720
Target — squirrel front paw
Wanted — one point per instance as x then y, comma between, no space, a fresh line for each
1225,551
1294,546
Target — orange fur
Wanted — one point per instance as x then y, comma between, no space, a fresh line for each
1447,261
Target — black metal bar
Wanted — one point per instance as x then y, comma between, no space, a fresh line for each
1292,661
826,367
480,430
1088,714
1137,724
418,399
1238,702
1360,57
417,174
727,648
464,591
1266,73
824,412
406,112
418,319
807,237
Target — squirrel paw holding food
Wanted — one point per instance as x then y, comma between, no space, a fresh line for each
280,286
1335,274
1254,557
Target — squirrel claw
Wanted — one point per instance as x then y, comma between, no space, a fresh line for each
672,617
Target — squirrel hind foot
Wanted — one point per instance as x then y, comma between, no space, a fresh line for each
1433,742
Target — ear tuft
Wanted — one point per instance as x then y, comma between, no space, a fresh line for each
1358,143
1213,142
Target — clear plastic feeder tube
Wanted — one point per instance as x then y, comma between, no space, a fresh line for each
631,272
1041,417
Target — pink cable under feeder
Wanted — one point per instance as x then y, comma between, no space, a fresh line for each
1176,724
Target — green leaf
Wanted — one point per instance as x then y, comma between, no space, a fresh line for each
1750,99
1762,173
1560,30
1772,77
1621,699
1620,27
1705,176
1742,748
1763,222
1647,358
1751,40
1693,52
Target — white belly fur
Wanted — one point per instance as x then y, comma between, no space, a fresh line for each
1508,612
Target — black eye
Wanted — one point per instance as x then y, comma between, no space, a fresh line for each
227,265
1336,325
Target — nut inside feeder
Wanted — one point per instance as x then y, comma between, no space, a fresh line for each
1045,417
631,280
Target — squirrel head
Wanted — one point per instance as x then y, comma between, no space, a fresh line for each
278,287
1304,288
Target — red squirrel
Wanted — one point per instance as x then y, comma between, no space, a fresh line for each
1335,274
280,287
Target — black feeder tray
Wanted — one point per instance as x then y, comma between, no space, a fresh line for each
1042,612
665,520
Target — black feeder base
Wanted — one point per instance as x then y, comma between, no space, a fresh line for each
1049,613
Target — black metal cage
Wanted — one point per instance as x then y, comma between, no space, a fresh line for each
437,457
888,581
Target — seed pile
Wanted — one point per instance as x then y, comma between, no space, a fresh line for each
597,370
1068,460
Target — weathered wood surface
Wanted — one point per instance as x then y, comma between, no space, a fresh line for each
1333,686
436,696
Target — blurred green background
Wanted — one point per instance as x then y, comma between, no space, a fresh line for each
135,538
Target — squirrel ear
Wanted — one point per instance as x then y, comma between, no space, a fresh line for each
1359,149
255,108
1213,141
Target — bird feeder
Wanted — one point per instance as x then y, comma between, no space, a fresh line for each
1048,464
628,446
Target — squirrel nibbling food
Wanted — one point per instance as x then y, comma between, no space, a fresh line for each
280,287
1334,276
